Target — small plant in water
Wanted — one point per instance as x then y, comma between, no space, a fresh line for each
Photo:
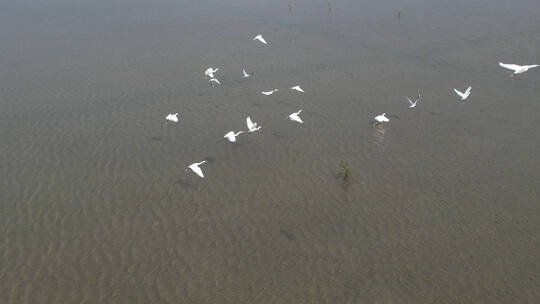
345,171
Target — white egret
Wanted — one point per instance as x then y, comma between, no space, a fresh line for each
252,126
297,88
268,93
518,69
246,75
210,72
260,38
172,117
413,104
295,117
465,94
231,136
195,168
382,118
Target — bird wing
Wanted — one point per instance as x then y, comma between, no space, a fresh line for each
295,117
459,93
249,123
531,66
245,74
410,101
468,91
260,38
513,67
197,170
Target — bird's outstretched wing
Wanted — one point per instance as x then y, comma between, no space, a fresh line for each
197,170
513,67
459,93
410,101
468,91
249,123
260,38
531,66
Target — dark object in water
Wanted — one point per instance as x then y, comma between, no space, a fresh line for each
288,235
280,136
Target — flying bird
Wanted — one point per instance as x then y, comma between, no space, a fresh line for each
382,118
252,126
172,117
413,104
260,38
231,136
214,80
465,94
518,69
246,75
297,88
295,117
210,72
195,168
268,93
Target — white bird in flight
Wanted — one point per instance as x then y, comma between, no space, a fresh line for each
246,75
252,126
260,38
267,93
295,117
465,94
210,72
382,118
413,104
297,88
172,117
195,168
214,80
518,69
231,136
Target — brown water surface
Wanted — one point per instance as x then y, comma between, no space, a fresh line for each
96,206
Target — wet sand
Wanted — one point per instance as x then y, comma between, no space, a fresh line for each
441,207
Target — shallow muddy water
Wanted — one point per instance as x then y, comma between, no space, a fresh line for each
441,205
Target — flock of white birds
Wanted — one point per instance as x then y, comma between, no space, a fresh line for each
253,126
